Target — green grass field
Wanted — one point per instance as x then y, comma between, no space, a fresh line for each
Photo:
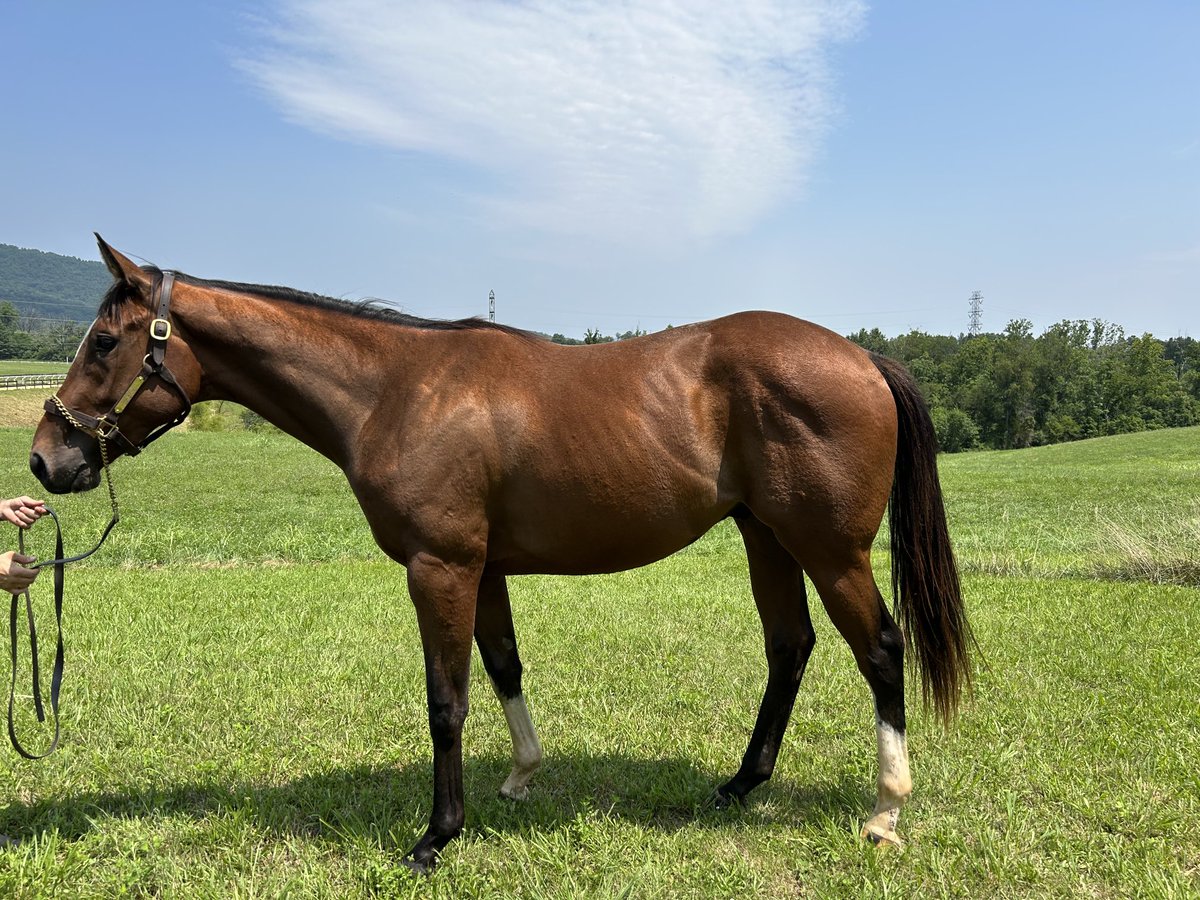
244,710
31,367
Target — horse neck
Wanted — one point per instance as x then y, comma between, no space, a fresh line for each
314,373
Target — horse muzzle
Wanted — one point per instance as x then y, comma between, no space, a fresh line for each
65,471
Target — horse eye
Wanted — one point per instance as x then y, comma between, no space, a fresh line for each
105,343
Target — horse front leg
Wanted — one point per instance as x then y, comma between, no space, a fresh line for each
444,595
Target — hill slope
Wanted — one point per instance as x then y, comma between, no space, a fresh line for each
49,286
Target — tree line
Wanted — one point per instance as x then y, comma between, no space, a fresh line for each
46,299
22,337
1077,379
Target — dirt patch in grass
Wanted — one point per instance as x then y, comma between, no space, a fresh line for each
22,408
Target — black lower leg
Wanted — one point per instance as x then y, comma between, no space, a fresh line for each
447,712
787,664
885,673
778,586
496,637
779,594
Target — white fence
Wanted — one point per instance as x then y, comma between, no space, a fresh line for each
16,382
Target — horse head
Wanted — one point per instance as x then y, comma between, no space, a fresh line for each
131,380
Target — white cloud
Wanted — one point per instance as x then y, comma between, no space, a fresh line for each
629,121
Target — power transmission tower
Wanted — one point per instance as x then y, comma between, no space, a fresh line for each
491,306
976,319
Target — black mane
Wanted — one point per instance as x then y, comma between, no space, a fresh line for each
362,309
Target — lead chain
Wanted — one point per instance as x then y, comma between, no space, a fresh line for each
108,479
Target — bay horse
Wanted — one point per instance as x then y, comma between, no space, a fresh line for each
477,451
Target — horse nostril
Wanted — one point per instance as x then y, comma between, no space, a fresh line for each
37,466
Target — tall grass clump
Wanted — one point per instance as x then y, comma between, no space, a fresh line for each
1165,550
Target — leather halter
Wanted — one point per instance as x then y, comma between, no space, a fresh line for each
105,427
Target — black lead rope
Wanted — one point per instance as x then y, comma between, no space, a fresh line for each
59,563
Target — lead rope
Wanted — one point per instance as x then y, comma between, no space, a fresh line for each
59,563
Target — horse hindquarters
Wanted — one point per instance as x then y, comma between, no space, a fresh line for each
826,476
927,597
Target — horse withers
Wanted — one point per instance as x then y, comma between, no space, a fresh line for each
478,451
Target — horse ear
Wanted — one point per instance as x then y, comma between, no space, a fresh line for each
121,266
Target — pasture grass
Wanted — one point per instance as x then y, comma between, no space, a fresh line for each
32,367
1125,507
244,707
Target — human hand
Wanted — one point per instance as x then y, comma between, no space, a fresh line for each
14,577
22,511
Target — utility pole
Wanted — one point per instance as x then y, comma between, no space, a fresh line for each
976,318
491,306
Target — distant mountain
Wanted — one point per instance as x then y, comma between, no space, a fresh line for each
47,286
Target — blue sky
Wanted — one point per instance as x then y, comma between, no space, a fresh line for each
623,165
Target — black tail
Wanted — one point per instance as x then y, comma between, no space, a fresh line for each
925,583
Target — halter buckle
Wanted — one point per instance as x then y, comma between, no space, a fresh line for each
106,429
160,329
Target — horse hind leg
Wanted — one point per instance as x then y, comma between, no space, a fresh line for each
778,586
854,604
497,641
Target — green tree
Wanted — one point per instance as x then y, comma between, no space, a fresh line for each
873,340
59,341
1145,390
593,336
1063,374
10,336
956,431
1184,353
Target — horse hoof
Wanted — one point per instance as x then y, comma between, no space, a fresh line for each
722,799
422,863
415,865
514,793
884,840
